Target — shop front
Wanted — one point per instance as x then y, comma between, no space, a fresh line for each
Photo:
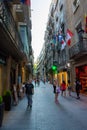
2,73
81,74
62,76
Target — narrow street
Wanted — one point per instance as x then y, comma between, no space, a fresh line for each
68,114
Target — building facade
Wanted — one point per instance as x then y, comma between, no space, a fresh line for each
78,48
15,44
71,59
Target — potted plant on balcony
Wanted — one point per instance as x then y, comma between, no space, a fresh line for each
1,110
7,100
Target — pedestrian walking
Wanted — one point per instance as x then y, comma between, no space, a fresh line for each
29,92
78,87
54,86
44,81
63,88
35,81
38,81
69,87
57,93
55,90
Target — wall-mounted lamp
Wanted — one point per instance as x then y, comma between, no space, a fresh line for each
67,65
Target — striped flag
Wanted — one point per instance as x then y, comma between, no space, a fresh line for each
27,2
63,44
68,37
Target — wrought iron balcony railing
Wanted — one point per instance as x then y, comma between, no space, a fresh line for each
8,23
79,49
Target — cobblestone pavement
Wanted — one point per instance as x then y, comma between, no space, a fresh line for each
68,114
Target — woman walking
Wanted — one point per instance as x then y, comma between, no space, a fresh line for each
57,94
63,88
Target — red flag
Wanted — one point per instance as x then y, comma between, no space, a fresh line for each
85,23
68,37
27,2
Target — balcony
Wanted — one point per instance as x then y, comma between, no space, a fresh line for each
10,42
79,49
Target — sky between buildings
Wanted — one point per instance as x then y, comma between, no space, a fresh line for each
39,16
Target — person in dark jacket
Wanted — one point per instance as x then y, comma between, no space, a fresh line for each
78,88
29,92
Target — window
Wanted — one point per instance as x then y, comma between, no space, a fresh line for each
63,28
60,5
79,31
57,19
76,4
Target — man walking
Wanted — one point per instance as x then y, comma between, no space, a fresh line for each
29,92
78,88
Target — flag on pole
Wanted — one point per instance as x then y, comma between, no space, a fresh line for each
68,37
27,2
63,44
60,31
86,23
60,37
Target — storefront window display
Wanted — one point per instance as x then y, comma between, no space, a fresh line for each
81,73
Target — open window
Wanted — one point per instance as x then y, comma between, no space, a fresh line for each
76,4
